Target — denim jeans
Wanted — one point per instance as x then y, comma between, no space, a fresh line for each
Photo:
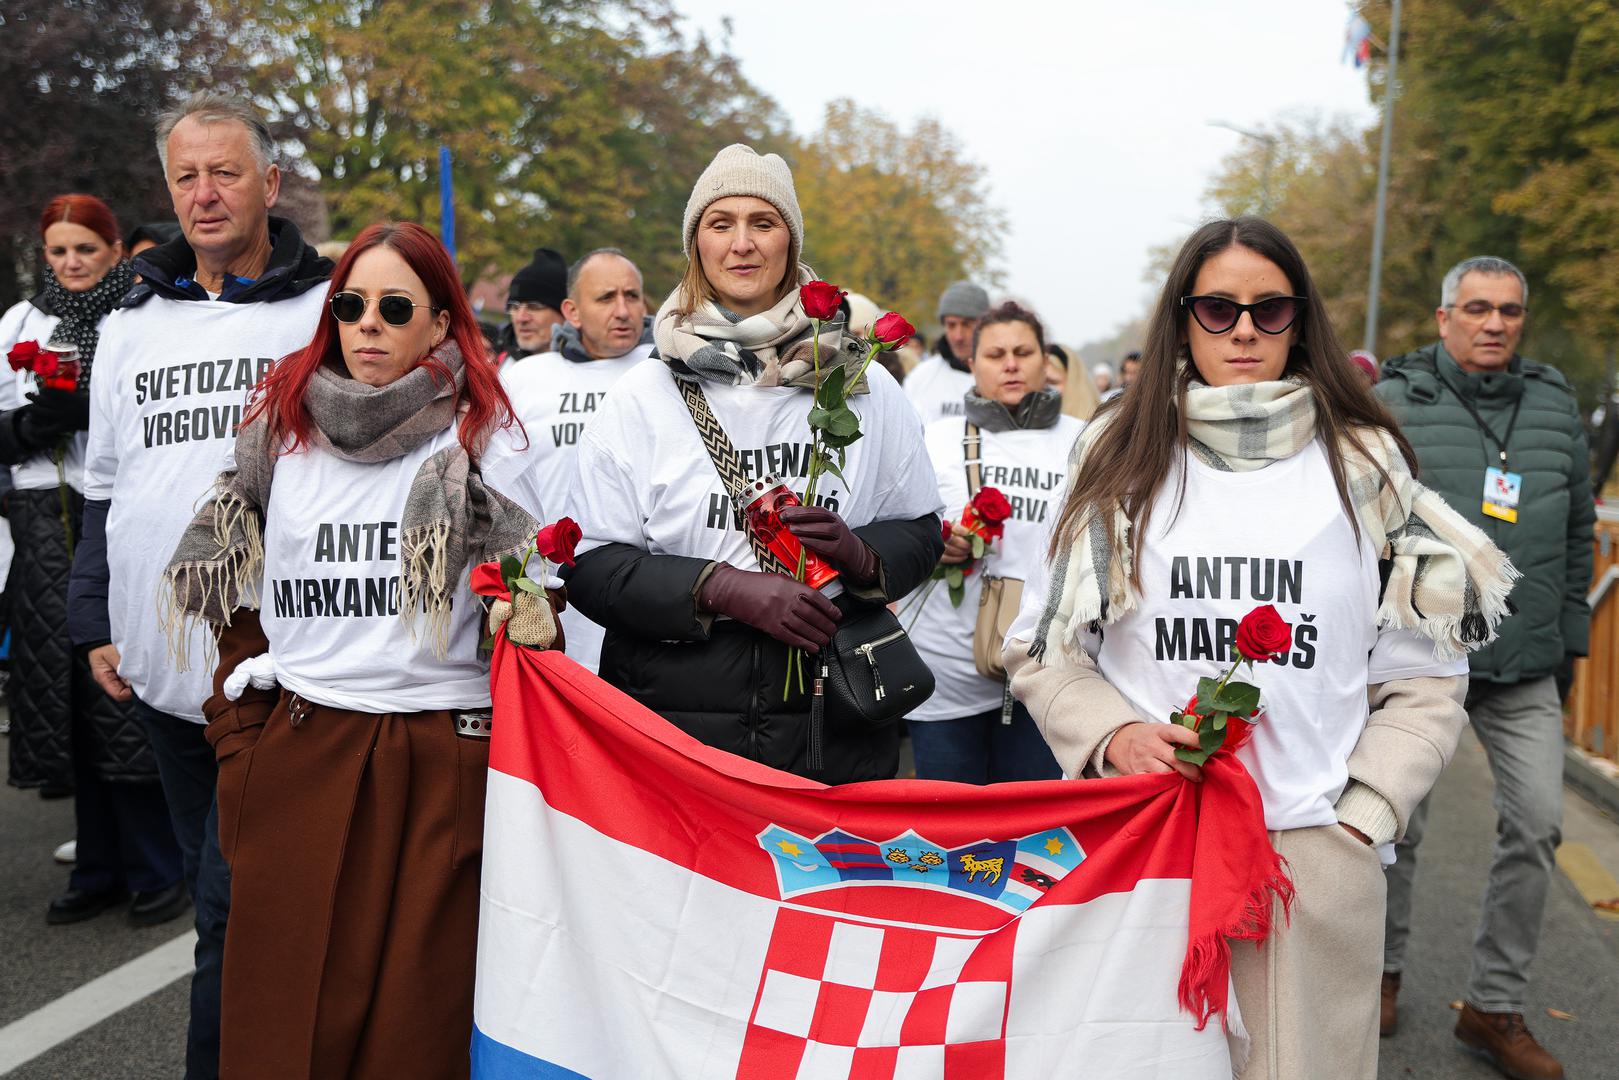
979,749
186,763
1521,727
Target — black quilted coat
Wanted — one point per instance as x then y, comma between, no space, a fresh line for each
50,683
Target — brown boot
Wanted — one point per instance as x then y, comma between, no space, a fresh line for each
1504,1041
1388,1017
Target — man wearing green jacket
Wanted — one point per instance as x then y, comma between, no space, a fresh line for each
1499,436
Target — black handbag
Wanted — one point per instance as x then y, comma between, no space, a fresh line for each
870,672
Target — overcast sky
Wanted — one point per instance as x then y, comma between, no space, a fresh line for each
1092,119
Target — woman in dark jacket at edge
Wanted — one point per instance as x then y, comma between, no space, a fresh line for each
67,735
695,631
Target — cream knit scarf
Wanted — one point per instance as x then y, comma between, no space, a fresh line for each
1446,580
450,514
772,348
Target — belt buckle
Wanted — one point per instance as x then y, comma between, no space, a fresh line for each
474,723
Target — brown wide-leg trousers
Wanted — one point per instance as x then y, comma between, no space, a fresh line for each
355,842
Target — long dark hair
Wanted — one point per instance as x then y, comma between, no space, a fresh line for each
1146,431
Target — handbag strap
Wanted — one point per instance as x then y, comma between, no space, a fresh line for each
728,463
972,458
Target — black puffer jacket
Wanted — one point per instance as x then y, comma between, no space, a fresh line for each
721,681
51,690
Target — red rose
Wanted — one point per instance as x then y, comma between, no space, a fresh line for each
892,330
948,531
21,356
991,506
820,299
1263,635
45,364
557,541
967,569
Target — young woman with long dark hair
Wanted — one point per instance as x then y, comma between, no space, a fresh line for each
1250,464
353,744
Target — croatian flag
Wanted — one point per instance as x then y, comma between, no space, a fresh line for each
652,907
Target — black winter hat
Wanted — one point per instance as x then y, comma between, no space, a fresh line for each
542,281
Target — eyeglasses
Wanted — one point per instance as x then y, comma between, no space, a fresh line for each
1480,309
396,310
1217,314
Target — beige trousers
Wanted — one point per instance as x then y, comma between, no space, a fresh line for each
1309,996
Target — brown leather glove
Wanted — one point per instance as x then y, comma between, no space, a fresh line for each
830,537
787,610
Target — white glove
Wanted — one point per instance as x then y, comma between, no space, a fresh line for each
258,670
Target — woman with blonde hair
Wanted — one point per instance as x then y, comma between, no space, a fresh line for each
697,630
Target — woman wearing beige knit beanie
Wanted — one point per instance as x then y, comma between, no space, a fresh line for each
695,629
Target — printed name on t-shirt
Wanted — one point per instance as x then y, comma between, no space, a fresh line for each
783,461
574,402
1232,577
1006,478
232,375
344,597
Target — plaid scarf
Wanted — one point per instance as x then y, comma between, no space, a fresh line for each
450,514
79,314
772,348
1446,580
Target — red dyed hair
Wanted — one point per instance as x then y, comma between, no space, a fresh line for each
281,393
86,210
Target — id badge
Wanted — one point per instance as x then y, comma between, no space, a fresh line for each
1501,490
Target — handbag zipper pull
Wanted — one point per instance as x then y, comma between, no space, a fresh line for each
876,672
812,757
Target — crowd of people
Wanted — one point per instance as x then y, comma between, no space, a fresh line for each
245,643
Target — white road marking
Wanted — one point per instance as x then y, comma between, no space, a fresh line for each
26,1038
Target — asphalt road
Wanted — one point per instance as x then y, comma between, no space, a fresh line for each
1578,971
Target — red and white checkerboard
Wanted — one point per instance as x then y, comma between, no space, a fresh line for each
853,1000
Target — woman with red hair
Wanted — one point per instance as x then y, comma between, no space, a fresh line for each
373,469
67,735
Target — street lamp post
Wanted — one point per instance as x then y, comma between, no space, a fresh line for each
1269,143
1379,220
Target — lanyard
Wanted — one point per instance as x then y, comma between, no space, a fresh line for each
1512,421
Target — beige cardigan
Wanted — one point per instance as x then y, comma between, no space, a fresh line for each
1410,735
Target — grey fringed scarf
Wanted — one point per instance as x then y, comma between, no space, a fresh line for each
1039,409
1446,580
772,348
450,514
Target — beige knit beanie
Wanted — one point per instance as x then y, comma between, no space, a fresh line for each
738,170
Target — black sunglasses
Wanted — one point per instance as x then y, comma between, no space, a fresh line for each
396,310
1217,314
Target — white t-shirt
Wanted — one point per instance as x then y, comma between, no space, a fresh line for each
555,397
166,396
1278,536
25,322
1028,467
642,476
330,600
937,389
